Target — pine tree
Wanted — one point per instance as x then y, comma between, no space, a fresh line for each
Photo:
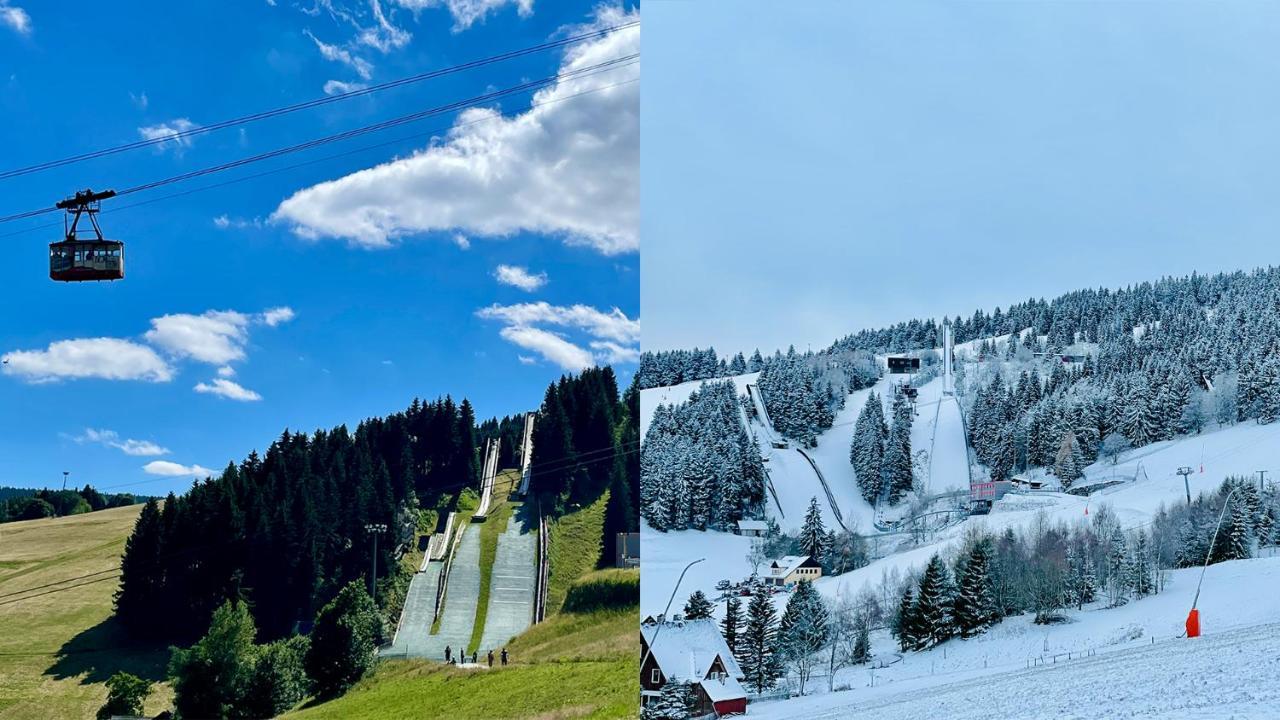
731,623
935,604
803,631
813,536
757,651
675,701
698,607
974,603
904,621
862,644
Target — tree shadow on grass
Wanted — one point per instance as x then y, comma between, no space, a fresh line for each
105,649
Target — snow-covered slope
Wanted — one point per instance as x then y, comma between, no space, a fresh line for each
1124,662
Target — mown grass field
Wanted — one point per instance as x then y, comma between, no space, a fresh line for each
58,644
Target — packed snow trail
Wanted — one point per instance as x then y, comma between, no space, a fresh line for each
1225,675
512,581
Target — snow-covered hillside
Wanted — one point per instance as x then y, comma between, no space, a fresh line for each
1123,662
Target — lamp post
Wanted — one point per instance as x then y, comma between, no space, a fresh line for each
374,529
674,590
65,473
1193,617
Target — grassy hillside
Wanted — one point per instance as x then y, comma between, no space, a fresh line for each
58,645
574,665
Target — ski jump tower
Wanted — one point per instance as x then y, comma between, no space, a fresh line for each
948,358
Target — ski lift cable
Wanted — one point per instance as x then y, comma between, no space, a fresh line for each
346,153
615,63
320,101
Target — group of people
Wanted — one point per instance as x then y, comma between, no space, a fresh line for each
448,656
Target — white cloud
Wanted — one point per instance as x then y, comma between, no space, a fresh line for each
613,325
383,35
216,337
516,276
613,336
226,371
140,100
173,469
338,87
467,12
569,169
110,438
222,222
614,353
15,17
106,358
277,315
526,360
169,130
461,241
362,67
550,346
228,389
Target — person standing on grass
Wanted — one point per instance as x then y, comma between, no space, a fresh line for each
448,653
490,658
504,657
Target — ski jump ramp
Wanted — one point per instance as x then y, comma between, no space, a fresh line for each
487,477
526,453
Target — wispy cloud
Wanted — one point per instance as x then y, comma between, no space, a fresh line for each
334,53
338,87
169,130
277,315
228,389
110,438
15,18
467,12
516,276
613,336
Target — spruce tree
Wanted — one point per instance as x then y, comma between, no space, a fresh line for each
698,607
731,623
935,604
974,602
813,535
757,654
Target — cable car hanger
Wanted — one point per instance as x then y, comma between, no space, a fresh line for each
77,259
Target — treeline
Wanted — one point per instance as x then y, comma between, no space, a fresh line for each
672,367
286,530
22,504
586,440
699,468
509,432
880,454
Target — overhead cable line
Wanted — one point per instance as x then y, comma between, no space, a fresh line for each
320,101
623,61
326,158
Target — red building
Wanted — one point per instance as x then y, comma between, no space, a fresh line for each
691,651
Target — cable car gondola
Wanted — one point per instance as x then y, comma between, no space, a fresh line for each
77,259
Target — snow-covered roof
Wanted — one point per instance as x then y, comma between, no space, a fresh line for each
753,525
784,565
685,649
723,689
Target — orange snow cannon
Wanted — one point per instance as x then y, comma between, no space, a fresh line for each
1193,623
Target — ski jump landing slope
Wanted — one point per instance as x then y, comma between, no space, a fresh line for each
512,582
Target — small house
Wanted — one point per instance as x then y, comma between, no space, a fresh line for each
752,528
691,651
792,569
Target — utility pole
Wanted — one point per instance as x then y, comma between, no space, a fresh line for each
1184,471
1262,478
374,529
65,473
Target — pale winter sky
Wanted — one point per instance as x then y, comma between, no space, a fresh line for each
810,169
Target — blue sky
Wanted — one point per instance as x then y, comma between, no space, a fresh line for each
482,261
832,166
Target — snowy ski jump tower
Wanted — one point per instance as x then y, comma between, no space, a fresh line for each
948,358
